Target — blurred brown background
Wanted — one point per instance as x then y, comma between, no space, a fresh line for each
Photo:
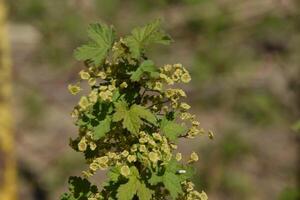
244,58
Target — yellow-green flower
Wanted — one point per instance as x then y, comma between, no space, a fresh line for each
156,136
178,65
94,166
93,96
185,78
169,93
84,75
185,106
124,85
178,156
102,160
142,140
84,102
125,171
111,154
102,75
143,148
125,153
168,67
93,146
82,145
106,95
92,81
158,86
203,196
153,156
103,87
133,148
74,89
131,158
194,157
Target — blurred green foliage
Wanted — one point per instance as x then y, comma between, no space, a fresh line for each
241,54
290,194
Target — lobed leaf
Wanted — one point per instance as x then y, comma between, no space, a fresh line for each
102,128
143,36
171,129
102,37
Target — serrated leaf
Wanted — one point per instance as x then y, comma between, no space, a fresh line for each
102,37
171,179
155,179
102,128
146,67
134,186
79,188
132,117
143,112
173,184
171,129
143,192
143,36
128,190
114,174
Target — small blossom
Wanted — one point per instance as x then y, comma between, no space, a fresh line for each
124,85
131,158
168,67
142,140
158,86
74,89
156,136
94,166
84,102
93,146
102,160
153,156
194,157
185,106
125,153
82,145
84,75
102,75
143,148
203,196
125,171
178,156
93,96
185,78
133,148
92,81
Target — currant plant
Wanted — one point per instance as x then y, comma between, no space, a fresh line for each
130,120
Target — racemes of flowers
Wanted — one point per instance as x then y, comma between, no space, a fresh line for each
131,119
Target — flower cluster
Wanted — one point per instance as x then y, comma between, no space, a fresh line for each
131,118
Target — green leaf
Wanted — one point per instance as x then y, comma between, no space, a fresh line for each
171,129
132,117
103,38
143,192
128,190
79,189
134,186
173,184
102,128
146,67
143,36
171,179
114,174
296,126
155,179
